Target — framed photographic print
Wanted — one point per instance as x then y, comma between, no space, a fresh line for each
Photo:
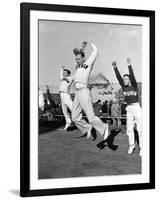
87,99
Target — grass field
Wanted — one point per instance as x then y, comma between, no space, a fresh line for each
65,154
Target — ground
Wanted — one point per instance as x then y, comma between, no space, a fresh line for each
66,154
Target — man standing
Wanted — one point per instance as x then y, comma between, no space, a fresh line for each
115,112
134,112
50,100
66,101
83,95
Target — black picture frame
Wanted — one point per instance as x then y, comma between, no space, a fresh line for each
25,9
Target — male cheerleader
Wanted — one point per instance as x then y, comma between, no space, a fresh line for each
134,112
83,95
66,101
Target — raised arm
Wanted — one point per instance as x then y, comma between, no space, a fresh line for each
132,77
61,72
93,55
131,73
117,73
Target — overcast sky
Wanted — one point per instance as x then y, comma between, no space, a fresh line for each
115,42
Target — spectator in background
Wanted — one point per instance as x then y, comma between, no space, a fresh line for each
105,107
51,102
109,107
98,108
48,102
59,109
46,106
123,108
115,112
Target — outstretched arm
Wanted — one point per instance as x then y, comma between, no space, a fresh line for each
93,55
131,73
117,73
61,72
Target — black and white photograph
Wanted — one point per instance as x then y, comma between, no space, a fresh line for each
89,97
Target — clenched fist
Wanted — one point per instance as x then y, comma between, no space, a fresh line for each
128,61
84,44
114,64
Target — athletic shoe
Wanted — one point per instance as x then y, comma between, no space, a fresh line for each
110,141
131,149
72,127
92,132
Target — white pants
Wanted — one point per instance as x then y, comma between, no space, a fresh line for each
134,115
83,101
66,102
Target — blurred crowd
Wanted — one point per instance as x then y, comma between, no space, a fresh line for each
107,109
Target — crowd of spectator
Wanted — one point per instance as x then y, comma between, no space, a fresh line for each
107,109
112,108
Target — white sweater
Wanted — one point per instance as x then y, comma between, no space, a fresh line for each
82,73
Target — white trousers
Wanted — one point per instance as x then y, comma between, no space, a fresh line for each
66,102
83,101
134,115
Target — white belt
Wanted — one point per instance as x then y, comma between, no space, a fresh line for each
79,85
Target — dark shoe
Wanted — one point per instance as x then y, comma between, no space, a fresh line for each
110,139
101,144
94,134
71,128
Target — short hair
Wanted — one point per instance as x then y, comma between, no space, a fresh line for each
68,71
126,75
77,51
